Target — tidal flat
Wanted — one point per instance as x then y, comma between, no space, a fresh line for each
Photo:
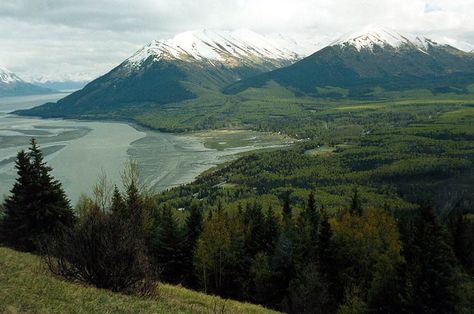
79,151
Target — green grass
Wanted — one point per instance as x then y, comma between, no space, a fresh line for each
27,287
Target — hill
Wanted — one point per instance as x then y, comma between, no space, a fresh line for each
28,288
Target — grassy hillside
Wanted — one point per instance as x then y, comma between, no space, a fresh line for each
27,287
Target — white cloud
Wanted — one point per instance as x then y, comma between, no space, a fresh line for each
66,39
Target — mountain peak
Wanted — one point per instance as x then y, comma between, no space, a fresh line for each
214,45
373,35
7,77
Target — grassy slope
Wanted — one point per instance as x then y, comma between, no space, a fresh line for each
27,287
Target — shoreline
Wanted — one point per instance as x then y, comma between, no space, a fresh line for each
168,159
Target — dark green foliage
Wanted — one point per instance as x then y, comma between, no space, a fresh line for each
362,71
309,228
287,212
193,228
356,206
328,267
118,204
157,83
37,207
270,231
104,250
308,292
254,222
167,247
129,89
461,229
431,267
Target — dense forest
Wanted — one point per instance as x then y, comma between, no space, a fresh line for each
284,244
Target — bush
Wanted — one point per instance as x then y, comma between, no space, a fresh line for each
103,250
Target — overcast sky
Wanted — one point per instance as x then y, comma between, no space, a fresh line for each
82,39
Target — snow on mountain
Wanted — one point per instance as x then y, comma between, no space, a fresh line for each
8,77
459,44
222,46
372,36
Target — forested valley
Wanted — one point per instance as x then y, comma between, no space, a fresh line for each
285,245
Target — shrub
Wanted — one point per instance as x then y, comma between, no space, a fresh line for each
103,250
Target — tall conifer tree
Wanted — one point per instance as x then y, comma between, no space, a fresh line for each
37,207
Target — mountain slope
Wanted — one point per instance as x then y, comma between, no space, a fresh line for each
27,287
12,85
174,70
373,58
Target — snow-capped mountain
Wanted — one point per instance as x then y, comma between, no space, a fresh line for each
181,68
12,85
229,47
375,36
373,59
8,77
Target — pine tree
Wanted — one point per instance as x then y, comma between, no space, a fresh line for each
38,207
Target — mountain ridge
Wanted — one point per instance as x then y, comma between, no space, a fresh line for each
364,61
197,63
171,71
12,85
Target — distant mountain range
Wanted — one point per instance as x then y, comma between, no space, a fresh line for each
12,85
359,65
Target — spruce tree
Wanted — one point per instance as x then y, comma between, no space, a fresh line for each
356,206
327,262
271,231
432,267
15,226
194,225
118,205
168,247
37,207
287,213
254,237
309,225
133,204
